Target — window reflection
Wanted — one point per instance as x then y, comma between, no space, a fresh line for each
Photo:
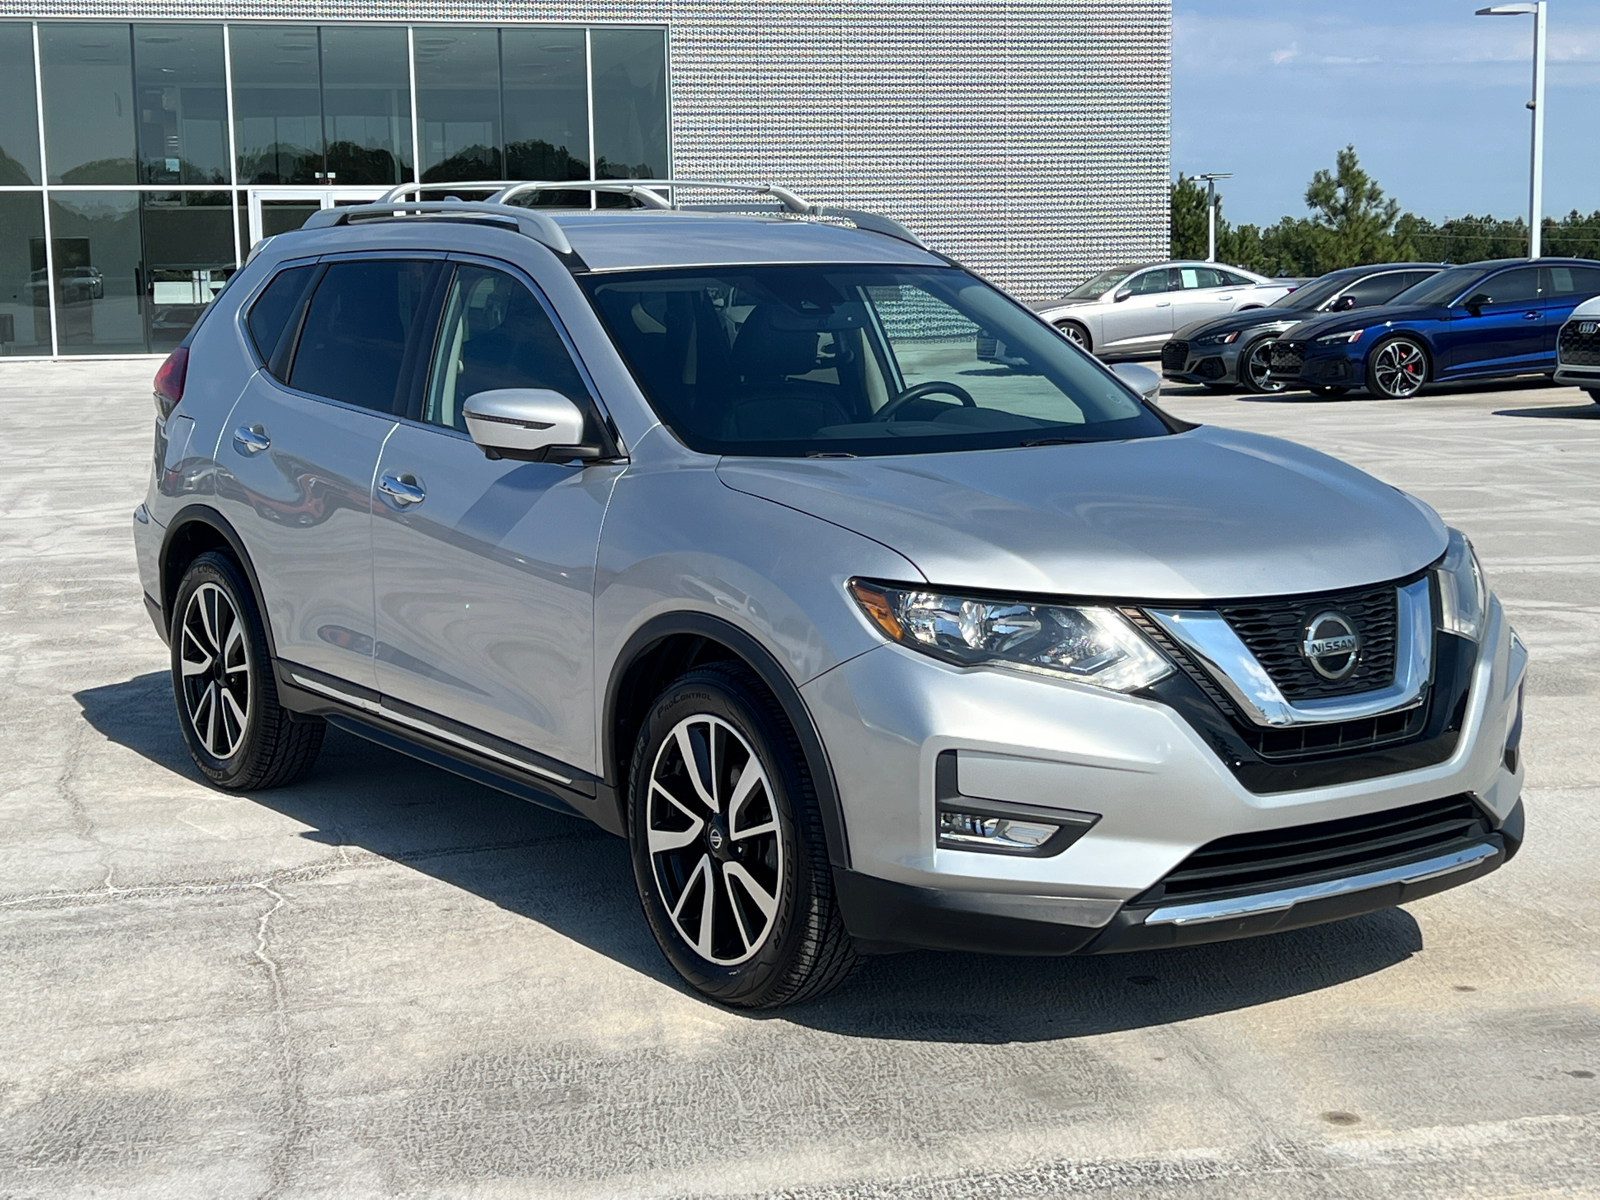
95,241
19,115
188,256
88,102
458,103
546,108
277,103
366,105
630,103
183,103
24,295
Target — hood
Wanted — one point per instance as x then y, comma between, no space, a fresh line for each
1366,318
1040,306
1238,322
1589,309
1206,514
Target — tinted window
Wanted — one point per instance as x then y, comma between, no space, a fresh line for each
797,360
630,103
88,102
1200,277
1378,289
273,308
1094,288
183,104
353,341
19,119
366,105
495,334
1150,283
1441,288
1509,287
1564,282
458,103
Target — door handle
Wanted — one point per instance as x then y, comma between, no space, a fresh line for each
404,489
1163,303
251,439
1530,316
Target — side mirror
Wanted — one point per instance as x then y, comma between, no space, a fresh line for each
1122,295
1140,378
1475,302
530,424
1342,304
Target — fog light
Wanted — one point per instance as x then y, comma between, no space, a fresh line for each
966,831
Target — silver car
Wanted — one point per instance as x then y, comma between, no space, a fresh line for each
713,528
1131,311
1578,349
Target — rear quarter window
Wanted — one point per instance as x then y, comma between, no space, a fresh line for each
269,315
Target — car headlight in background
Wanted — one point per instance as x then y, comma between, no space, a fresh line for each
1341,339
1463,596
1216,339
1086,644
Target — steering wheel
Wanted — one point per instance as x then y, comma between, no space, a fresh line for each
932,388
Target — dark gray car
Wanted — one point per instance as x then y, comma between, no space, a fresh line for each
1235,350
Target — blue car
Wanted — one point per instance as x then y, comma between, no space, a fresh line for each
1484,320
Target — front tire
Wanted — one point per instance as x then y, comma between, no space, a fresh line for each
1255,368
238,734
1398,368
727,845
1076,334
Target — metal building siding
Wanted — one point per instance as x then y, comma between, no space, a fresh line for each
1027,138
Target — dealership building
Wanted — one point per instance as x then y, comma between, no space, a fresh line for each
144,146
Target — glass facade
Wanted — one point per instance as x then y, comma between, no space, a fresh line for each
154,178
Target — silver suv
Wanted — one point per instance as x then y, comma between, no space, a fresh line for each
714,528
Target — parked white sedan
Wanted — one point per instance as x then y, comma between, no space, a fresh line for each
1130,312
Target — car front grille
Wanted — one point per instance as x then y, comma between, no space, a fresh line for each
1288,358
1274,629
1579,349
1174,356
1266,861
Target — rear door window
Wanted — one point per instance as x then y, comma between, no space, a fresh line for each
353,341
269,315
1200,277
1561,283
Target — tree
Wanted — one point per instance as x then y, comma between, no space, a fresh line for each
1189,218
1350,207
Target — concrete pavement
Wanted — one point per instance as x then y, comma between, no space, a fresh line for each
388,981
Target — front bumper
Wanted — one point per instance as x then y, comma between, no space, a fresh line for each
1185,362
1161,791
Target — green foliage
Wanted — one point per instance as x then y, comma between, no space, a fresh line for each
1352,222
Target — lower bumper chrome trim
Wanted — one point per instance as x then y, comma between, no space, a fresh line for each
1281,901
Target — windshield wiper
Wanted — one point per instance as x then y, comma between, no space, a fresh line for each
830,454
1058,442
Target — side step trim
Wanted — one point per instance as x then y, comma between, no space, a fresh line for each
1287,898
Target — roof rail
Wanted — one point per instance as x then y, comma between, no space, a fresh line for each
529,221
648,193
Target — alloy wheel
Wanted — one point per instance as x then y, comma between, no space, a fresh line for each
1258,368
1074,333
1400,368
716,850
215,657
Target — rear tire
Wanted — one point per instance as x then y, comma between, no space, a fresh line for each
1076,334
238,734
1398,368
727,845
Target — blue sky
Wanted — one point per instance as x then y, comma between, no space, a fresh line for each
1431,95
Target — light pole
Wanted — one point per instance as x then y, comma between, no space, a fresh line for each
1211,210
1536,186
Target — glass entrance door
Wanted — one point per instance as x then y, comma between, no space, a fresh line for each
275,210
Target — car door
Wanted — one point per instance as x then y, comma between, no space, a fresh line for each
1498,327
483,571
1563,289
1139,317
298,453
1203,293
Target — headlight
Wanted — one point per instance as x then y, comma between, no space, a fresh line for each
1089,644
1464,599
1341,339
1216,339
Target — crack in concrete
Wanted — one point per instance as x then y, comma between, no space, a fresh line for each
292,1101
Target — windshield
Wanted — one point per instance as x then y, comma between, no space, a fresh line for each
1441,288
855,360
1314,294
1100,284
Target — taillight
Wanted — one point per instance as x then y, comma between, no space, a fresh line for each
169,381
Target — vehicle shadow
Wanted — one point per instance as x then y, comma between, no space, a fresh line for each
569,876
1588,410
